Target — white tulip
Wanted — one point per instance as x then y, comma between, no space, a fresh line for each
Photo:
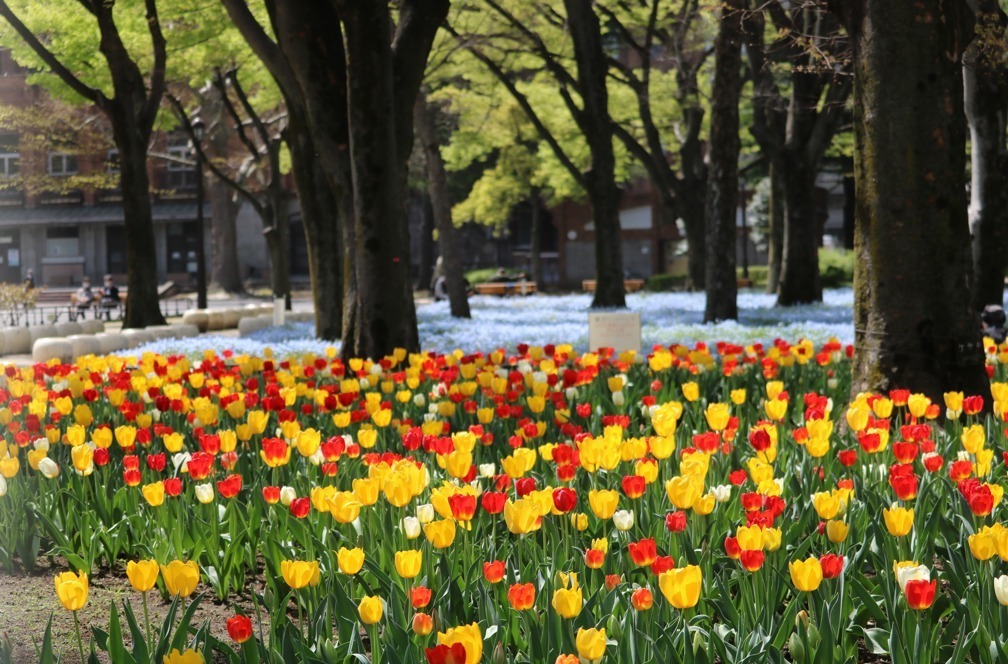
623,519
48,468
180,459
425,512
916,573
1001,589
487,470
618,399
365,384
3,486
571,394
419,400
204,493
287,495
375,369
722,493
41,444
411,526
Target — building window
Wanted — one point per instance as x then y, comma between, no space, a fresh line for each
62,241
10,164
112,161
115,249
181,246
178,170
62,164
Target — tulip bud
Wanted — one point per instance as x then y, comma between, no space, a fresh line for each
722,493
1000,589
48,468
487,470
425,513
287,495
365,384
618,399
411,526
623,519
204,493
419,400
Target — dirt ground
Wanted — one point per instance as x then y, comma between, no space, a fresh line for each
28,599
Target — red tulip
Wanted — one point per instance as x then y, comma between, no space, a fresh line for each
239,628
920,594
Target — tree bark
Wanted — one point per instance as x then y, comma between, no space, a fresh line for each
775,244
535,242
799,281
386,319
722,176
428,257
603,192
914,326
985,78
437,184
690,205
226,271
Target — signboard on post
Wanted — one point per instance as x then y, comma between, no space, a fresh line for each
619,330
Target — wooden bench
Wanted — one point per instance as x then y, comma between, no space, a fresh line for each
506,288
629,285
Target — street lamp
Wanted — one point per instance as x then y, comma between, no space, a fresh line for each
198,129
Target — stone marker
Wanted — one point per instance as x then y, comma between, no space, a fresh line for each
619,330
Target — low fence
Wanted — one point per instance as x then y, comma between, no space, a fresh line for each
45,314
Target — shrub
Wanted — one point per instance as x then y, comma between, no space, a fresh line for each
836,267
14,296
665,282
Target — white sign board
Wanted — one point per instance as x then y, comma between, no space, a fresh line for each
619,330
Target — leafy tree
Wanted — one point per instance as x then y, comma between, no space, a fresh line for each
80,51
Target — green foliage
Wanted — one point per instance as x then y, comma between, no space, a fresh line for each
757,276
660,283
485,274
836,267
14,296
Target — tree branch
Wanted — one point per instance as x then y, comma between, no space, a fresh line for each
262,45
229,107
92,94
157,77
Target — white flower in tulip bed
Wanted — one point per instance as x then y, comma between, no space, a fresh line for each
666,318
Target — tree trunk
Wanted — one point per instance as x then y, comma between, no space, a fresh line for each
914,326
985,81
596,124
386,318
322,231
535,242
775,245
226,271
143,307
722,174
690,203
437,185
428,254
799,271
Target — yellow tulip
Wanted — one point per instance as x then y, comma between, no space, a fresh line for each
72,590
681,586
440,533
684,490
690,391
153,493
408,563
180,577
776,409
142,574
591,644
187,657
836,530
344,506
370,610
717,415
83,458
568,599
125,435
973,438
299,573
350,561
603,502
826,505
982,545
898,520
806,575
750,538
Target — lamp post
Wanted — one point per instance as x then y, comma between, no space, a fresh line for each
198,129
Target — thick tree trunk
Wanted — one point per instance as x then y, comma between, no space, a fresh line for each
722,175
143,307
385,316
799,272
596,124
985,79
914,326
775,244
437,185
535,242
690,204
319,209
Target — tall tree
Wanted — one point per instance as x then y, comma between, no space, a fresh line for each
437,185
533,30
985,78
795,128
131,109
722,179
914,325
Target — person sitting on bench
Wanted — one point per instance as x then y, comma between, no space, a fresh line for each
109,296
84,298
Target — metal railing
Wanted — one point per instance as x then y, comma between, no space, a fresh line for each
48,314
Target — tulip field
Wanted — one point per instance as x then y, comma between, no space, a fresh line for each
719,503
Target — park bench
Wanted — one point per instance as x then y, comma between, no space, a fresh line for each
506,288
629,285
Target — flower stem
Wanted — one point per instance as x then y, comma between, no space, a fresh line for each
80,643
147,620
